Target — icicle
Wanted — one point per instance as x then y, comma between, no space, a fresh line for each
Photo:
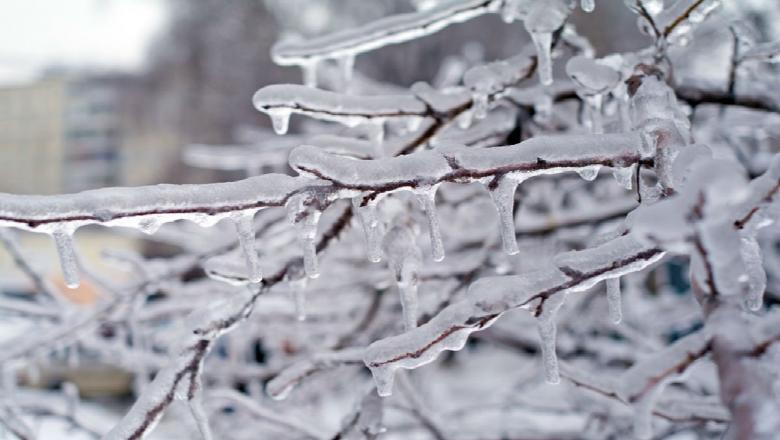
298,290
547,330
427,200
63,240
613,299
509,12
480,107
246,237
371,228
280,118
404,256
305,221
589,173
307,236
201,417
643,411
310,73
543,43
465,119
624,176
346,65
413,123
543,107
503,196
756,276
594,112
588,5
383,378
378,131
71,393
409,303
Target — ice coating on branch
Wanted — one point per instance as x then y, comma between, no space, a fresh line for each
643,383
679,20
427,199
244,222
489,297
665,129
385,31
135,207
594,80
614,300
404,258
536,156
591,76
63,241
503,195
766,52
487,80
283,383
547,330
280,100
439,102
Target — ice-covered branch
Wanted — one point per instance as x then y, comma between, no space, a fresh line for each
488,298
390,30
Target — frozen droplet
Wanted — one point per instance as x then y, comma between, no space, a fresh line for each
63,240
613,300
280,118
624,176
427,200
246,237
590,172
383,378
588,5
756,275
310,72
149,225
543,43
503,196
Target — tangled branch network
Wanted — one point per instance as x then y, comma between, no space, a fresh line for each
570,303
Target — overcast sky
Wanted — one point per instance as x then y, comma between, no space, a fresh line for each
84,33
